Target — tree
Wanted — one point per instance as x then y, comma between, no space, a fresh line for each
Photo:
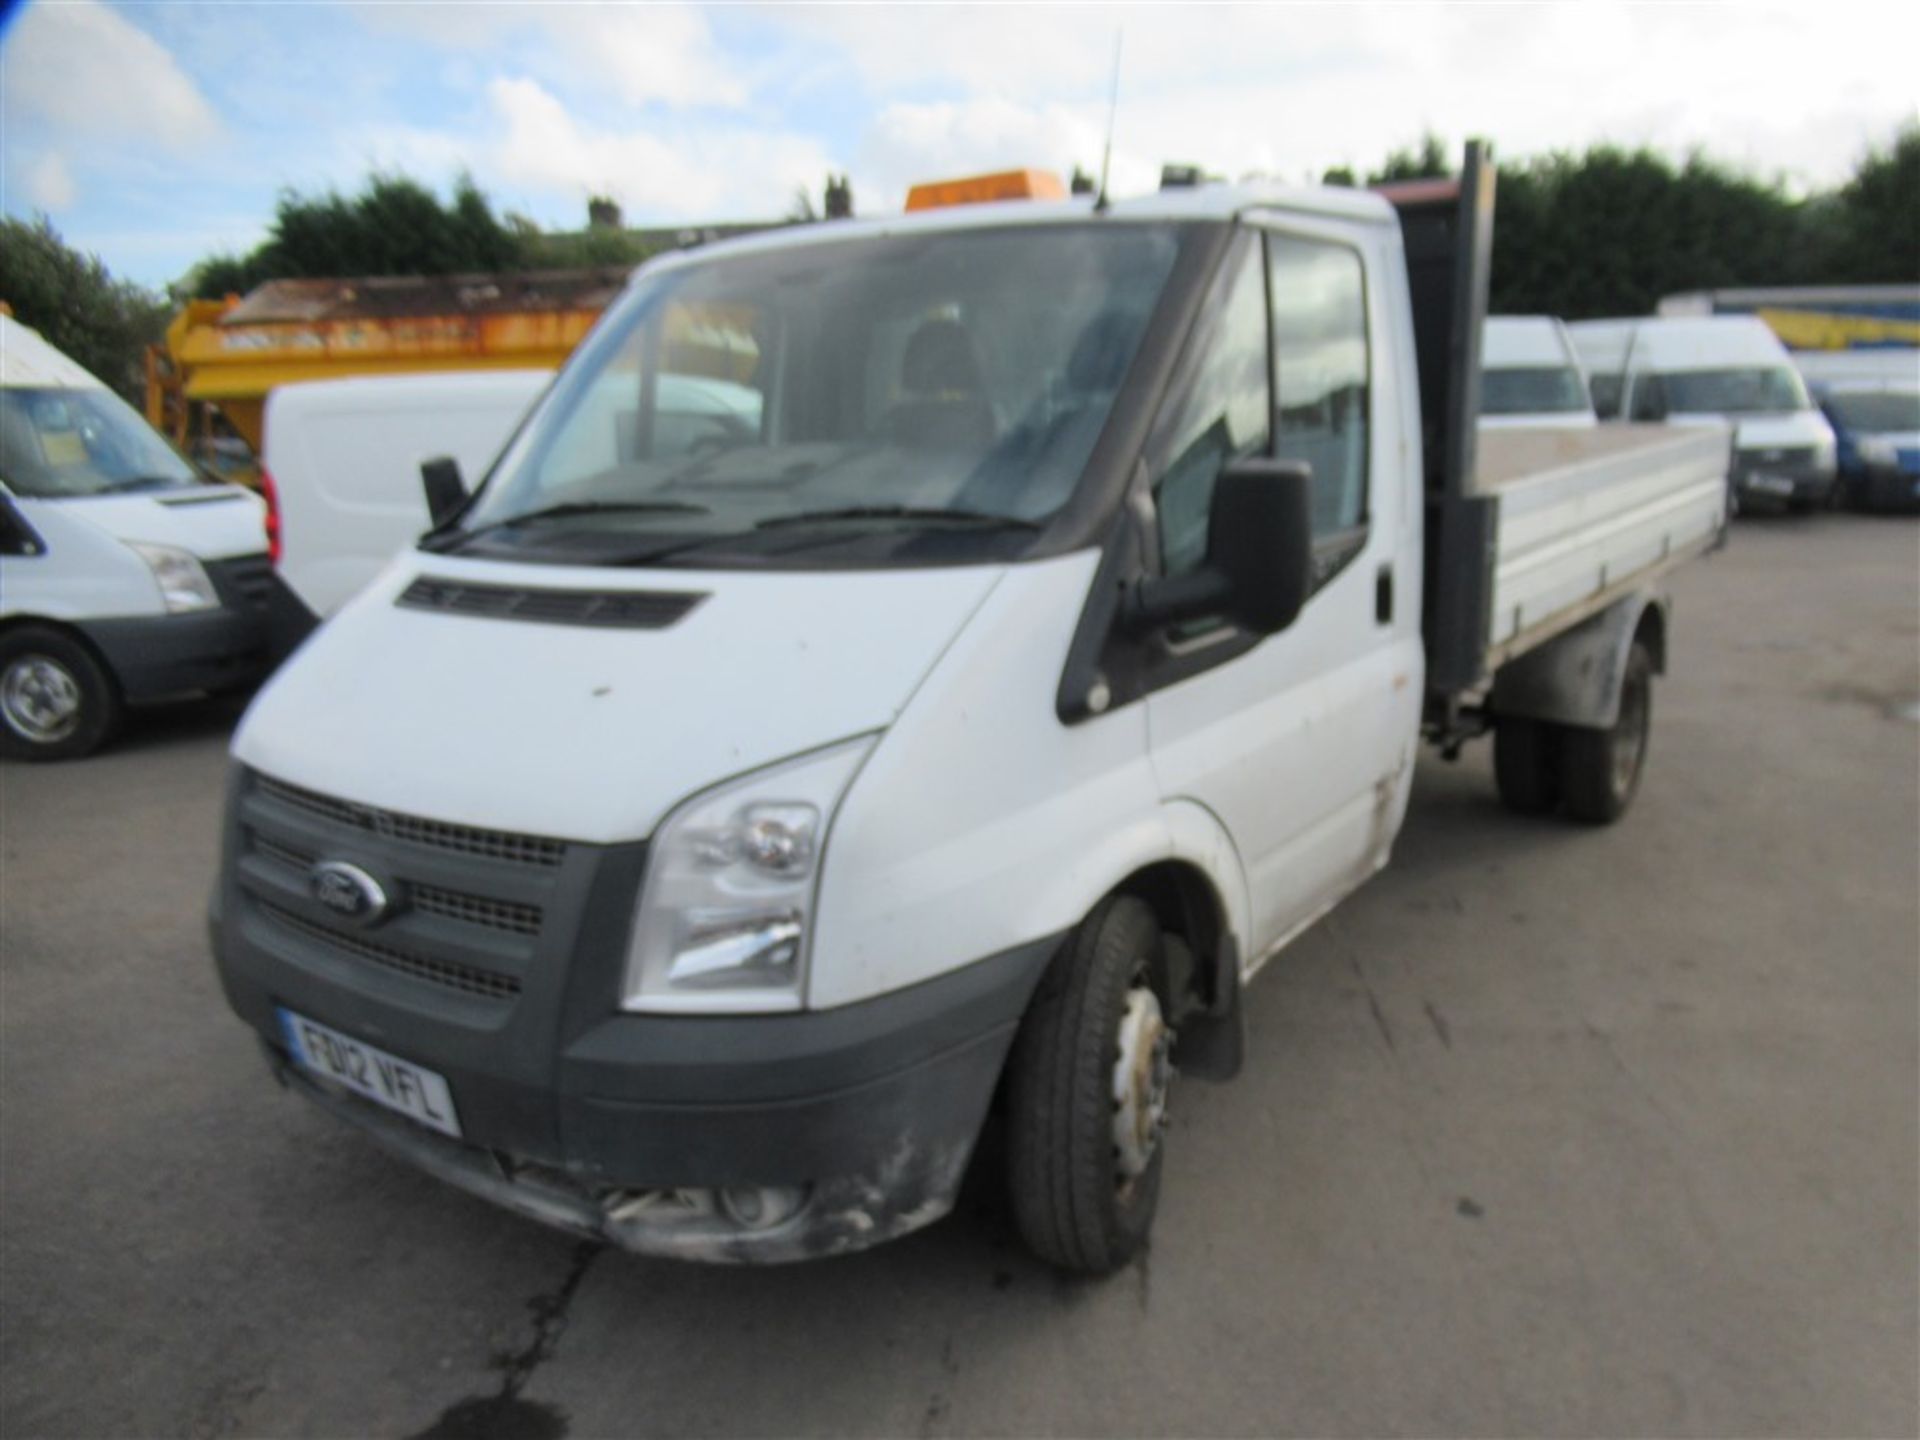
394,226
103,323
1878,219
839,198
1612,231
1428,162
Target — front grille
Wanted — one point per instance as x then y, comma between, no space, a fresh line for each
468,979
244,583
476,909
611,609
412,830
509,915
1775,457
285,854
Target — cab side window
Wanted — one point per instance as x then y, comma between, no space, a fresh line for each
1322,373
1223,413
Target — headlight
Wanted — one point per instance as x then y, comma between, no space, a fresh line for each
182,579
1876,451
724,916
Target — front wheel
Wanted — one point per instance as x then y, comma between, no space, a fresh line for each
1600,769
57,701
1087,1094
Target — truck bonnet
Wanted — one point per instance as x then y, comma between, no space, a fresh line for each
592,731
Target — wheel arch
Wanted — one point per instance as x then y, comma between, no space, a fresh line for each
20,620
1198,895
1652,630
1575,678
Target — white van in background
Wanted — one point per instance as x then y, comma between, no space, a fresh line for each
126,576
1893,365
342,467
1530,376
1732,369
1602,348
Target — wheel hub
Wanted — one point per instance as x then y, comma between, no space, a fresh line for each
41,699
1142,1071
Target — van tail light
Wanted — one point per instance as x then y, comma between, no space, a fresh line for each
271,495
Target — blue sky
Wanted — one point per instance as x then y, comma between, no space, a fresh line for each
155,133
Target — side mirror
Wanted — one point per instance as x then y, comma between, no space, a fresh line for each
1259,568
446,491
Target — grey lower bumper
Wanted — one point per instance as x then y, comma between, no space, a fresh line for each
1784,488
914,1186
745,1139
154,657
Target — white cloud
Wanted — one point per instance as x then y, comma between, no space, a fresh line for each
1295,88
49,185
640,54
91,72
708,172
907,143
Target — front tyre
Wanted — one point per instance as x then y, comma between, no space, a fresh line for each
57,702
1087,1094
1600,769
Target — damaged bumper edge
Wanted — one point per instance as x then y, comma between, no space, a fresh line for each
733,1142
911,1187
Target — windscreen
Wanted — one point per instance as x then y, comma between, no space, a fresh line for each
1769,390
1876,412
952,381
58,443
1532,390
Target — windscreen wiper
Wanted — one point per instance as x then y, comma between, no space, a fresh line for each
931,513
578,507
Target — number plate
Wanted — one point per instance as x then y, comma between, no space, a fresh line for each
1770,484
414,1091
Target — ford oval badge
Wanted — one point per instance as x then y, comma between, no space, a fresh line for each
348,891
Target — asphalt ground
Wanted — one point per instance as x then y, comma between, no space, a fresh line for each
1545,1131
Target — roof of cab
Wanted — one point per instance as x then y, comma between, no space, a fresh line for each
1705,344
1513,341
28,362
1198,203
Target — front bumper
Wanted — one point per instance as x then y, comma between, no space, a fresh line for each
205,651
1886,487
642,1130
1783,487
833,1169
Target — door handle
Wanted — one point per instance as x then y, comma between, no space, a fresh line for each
1383,595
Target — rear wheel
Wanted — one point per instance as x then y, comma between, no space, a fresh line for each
57,701
1600,769
1087,1094
1526,764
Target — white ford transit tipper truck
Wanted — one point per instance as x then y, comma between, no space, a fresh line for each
696,833
126,576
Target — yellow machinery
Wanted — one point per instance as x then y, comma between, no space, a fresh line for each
225,356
